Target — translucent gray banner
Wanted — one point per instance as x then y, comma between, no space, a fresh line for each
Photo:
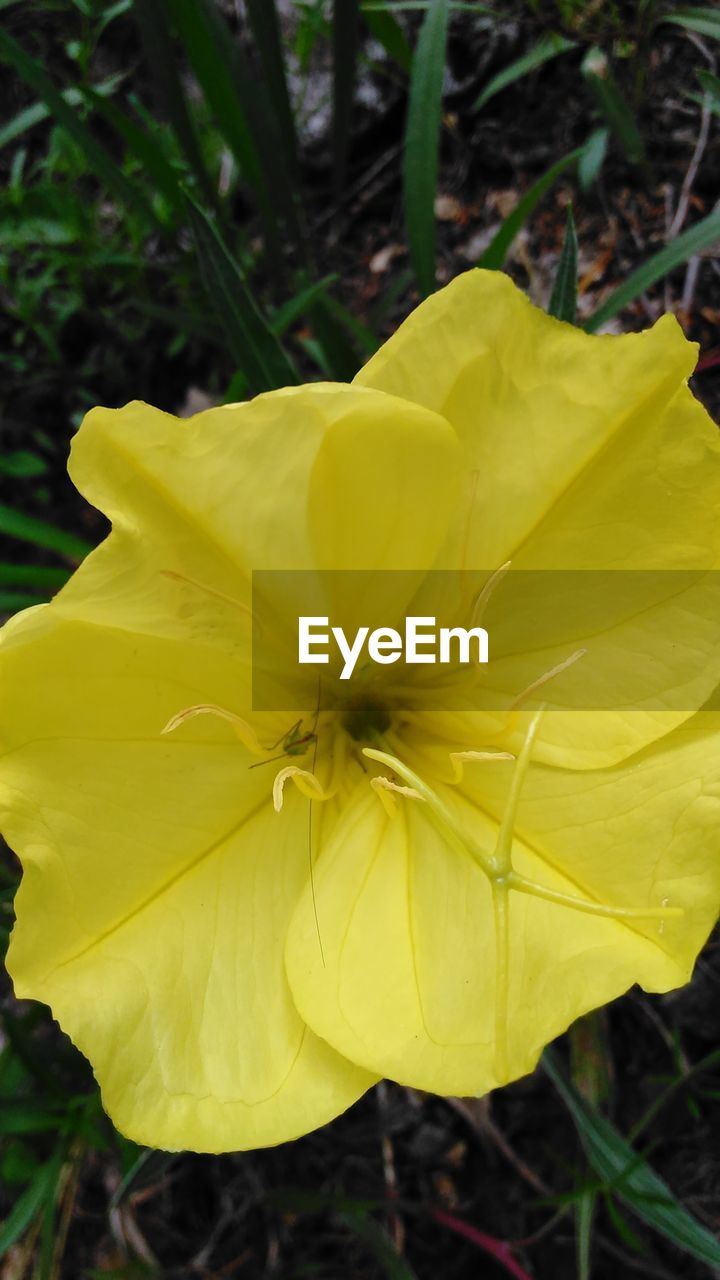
486,640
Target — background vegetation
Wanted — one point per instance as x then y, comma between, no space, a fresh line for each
204,199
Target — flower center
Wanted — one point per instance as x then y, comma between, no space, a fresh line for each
366,717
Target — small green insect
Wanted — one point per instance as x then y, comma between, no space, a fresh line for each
294,743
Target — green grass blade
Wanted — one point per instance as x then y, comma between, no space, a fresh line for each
705,21
548,47
345,44
328,320
422,142
497,251
15,524
378,1244
14,601
33,1199
249,338
39,111
593,158
612,105
161,61
704,234
32,575
584,1215
295,308
563,303
629,1177
142,146
263,18
387,30
242,109
711,86
100,160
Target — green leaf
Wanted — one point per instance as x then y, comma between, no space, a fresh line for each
33,1200
705,21
161,61
345,44
548,47
31,575
612,105
387,30
422,6
497,251
292,310
593,157
146,1167
628,1176
142,146
13,601
20,1116
704,234
711,86
21,463
39,111
15,524
266,30
100,160
243,111
422,142
249,337
563,303
584,1215
376,1241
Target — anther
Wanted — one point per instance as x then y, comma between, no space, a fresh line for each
458,758
244,731
384,789
306,783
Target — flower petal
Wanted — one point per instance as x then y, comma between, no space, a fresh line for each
535,403
409,984
157,887
582,453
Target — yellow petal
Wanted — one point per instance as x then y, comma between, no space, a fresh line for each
581,453
409,983
535,402
157,887
324,477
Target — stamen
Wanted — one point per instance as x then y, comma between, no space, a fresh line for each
244,731
483,598
306,783
458,757
503,848
549,675
384,788
444,818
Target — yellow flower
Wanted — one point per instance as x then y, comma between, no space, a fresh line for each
458,910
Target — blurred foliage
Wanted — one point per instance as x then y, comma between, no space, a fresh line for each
168,205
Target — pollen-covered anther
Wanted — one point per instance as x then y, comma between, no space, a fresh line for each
386,790
304,780
458,759
244,731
